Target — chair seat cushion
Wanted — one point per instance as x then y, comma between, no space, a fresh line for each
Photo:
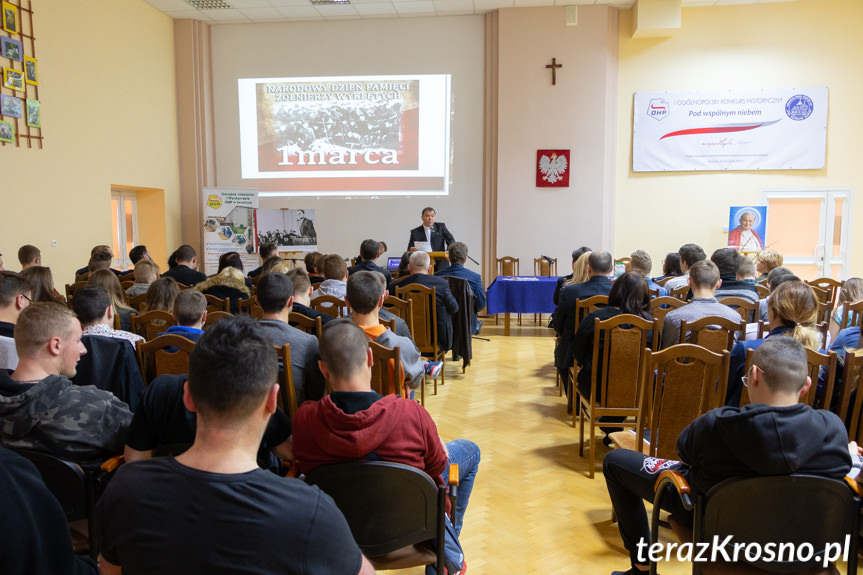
405,557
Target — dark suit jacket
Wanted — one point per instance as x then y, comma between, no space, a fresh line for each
473,278
111,365
445,304
370,266
564,317
440,239
185,275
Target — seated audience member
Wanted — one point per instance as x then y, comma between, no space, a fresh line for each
670,267
774,280
274,264
791,311
366,295
404,268
369,252
228,284
303,295
190,311
457,257
186,271
42,285
703,281
355,423
689,255
275,296
420,268
139,253
774,435
850,293
36,536
29,256
629,295
96,314
599,266
312,261
563,280
160,296
335,272
14,297
728,260
109,282
234,260
212,509
146,272
746,270
100,261
266,251
41,409
766,261
172,260
640,262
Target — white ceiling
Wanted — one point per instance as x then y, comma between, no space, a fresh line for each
248,11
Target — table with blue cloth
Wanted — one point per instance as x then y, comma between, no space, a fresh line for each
520,294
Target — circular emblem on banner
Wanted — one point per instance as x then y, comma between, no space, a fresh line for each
799,107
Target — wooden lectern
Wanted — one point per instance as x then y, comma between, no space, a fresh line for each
435,256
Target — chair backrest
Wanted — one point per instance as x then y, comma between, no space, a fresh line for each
138,301
329,304
660,306
250,306
507,266
287,391
663,281
796,509
587,305
711,332
150,324
213,317
823,294
627,263
402,308
815,398
680,383
763,291
618,344
389,324
832,286
747,309
306,324
154,359
388,506
217,304
71,289
387,373
424,315
851,382
854,312
679,292
543,267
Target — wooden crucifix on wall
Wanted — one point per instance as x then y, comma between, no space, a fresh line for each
554,66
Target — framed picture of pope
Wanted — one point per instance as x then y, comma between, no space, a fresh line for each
747,228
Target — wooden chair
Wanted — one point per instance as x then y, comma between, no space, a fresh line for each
711,332
82,277
614,383
662,281
855,313
679,292
627,263
425,323
829,284
543,267
127,284
71,289
306,324
287,392
387,373
582,308
329,304
825,311
763,292
851,388
154,359
217,304
138,301
213,317
679,384
150,324
250,307
390,324
127,275
816,362
660,307
747,309
507,266
823,294
184,286
402,308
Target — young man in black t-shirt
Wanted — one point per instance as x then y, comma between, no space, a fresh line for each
211,509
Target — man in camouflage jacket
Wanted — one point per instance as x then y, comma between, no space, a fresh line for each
41,409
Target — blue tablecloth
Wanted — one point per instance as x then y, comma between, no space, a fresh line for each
521,294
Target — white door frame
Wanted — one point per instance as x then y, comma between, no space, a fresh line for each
121,260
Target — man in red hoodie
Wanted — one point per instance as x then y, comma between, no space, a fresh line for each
355,423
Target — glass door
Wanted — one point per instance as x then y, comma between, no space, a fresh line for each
124,219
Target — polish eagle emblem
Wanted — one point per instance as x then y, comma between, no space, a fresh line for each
552,168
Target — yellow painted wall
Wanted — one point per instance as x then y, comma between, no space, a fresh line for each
108,114
777,45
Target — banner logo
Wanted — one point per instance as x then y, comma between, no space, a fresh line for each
214,201
799,107
658,109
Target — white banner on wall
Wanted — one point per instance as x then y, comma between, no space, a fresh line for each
229,226
776,129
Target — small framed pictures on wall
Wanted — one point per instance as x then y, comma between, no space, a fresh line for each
11,22
34,113
10,106
30,73
7,132
11,49
13,79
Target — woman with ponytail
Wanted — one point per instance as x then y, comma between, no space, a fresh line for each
792,311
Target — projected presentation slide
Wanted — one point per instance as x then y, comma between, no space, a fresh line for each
346,135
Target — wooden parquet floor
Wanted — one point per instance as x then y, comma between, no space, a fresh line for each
533,508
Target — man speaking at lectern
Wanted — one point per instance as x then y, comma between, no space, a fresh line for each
434,234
